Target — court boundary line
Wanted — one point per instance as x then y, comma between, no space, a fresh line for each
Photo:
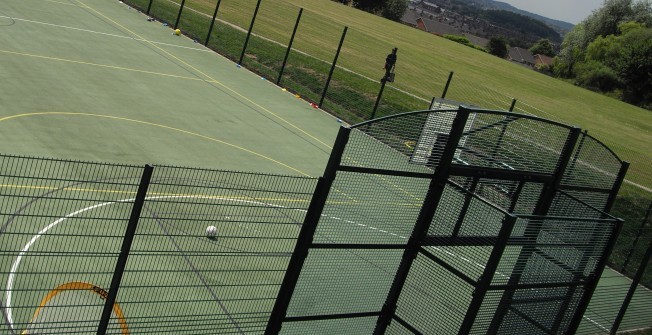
245,98
187,132
107,34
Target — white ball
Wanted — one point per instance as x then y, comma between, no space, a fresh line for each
211,231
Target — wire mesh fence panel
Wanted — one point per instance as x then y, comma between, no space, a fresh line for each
231,26
165,11
638,311
359,209
396,101
270,37
508,142
308,64
324,327
351,95
605,304
476,94
264,57
438,307
63,226
211,250
343,281
636,207
396,328
195,19
141,5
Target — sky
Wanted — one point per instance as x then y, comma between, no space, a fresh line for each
572,11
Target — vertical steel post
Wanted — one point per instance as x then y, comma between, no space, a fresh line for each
287,52
380,95
592,282
448,83
533,230
620,178
483,284
576,156
306,234
511,108
251,28
432,103
583,304
176,23
210,29
419,232
330,74
465,207
632,289
120,265
149,7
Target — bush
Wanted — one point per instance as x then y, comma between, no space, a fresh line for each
596,76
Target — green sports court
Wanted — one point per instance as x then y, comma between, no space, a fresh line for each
91,91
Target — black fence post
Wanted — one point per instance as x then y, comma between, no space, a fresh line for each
448,83
251,28
176,23
544,203
120,265
578,151
306,235
638,237
590,287
149,7
426,214
511,108
210,29
620,178
389,67
330,73
287,52
632,289
484,283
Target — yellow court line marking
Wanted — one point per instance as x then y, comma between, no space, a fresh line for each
61,3
190,195
209,77
101,65
159,126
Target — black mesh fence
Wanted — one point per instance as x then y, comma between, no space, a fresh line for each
62,223
165,11
209,252
354,90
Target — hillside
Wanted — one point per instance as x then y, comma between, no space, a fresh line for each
487,20
560,26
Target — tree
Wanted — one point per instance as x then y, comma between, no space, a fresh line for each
394,9
390,9
621,61
602,22
497,47
369,5
543,47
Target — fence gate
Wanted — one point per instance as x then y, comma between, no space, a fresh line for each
453,221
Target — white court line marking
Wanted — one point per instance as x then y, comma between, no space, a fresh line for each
14,266
108,34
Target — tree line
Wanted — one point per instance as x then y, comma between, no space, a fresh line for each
611,52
